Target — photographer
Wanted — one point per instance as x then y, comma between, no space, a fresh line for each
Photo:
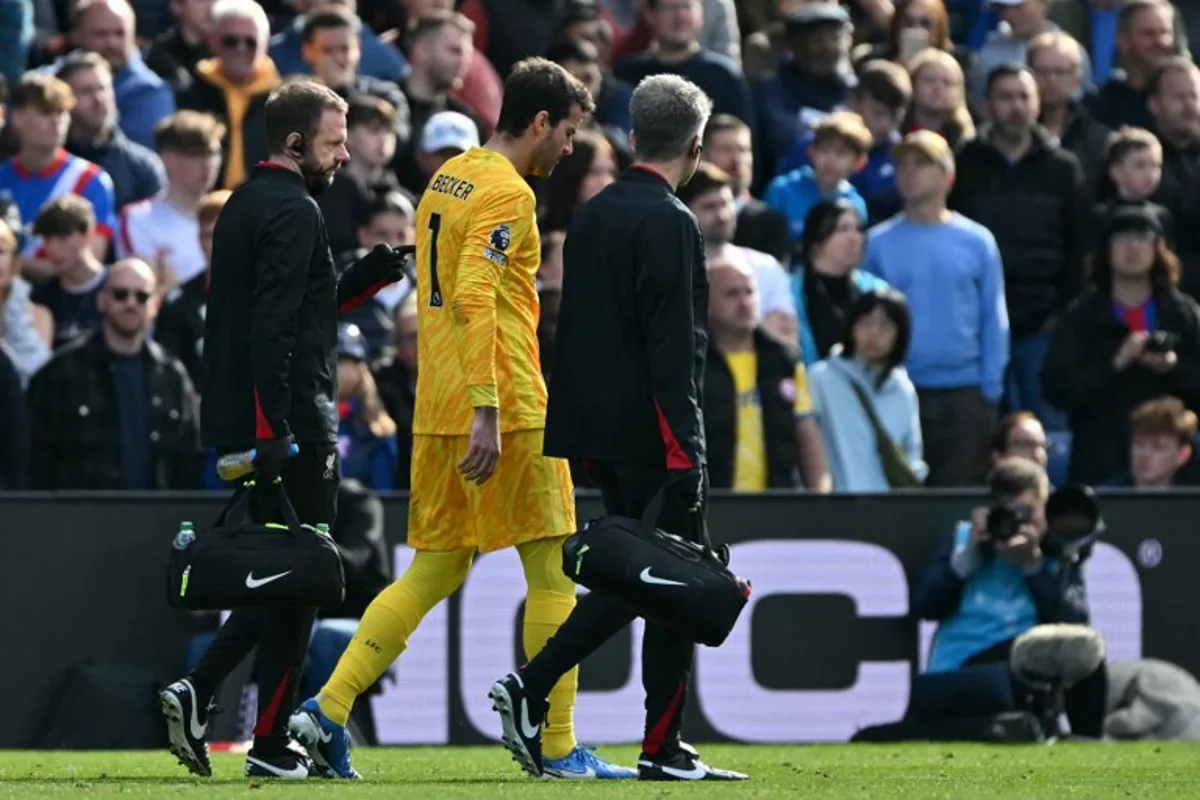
999,575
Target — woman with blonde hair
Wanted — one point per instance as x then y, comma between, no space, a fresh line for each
26,328
366,432
939,101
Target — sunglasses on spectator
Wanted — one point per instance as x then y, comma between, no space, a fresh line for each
121,294
919,22
231,41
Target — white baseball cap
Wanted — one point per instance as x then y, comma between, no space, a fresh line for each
449,130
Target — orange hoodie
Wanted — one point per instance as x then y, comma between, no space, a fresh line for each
237,102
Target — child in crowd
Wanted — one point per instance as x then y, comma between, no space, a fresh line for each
840,144
881,98
1134,163
939,97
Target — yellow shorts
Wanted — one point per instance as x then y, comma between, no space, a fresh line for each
528,497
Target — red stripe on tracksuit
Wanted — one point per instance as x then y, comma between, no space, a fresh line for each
358,300
676,458
262,428
266,723
656,736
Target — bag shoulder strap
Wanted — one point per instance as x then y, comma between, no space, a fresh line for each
869,409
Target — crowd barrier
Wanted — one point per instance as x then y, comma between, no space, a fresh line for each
826,646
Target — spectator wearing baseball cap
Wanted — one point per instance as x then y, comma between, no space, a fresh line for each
446,135
366,432
949,268
1133,337
809,84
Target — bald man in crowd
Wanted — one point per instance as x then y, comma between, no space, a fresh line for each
758,416
114,410
107,28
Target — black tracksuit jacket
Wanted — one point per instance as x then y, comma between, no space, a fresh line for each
628,369
270,331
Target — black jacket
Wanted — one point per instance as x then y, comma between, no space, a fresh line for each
14,428
180,326
776,370
1116,103
1179,192
1079,377
1087,138
632,330
270,331
136,171
174,60
75,420
1038,210
397,389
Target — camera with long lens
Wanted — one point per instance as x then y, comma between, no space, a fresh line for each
1073,523
1005,519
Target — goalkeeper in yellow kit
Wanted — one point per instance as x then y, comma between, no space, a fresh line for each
480,481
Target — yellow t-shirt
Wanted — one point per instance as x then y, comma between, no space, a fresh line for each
750,459
477,303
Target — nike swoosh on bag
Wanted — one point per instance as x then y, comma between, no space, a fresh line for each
646,577
254,583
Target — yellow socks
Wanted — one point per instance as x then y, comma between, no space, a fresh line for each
549,602
392,617
386,625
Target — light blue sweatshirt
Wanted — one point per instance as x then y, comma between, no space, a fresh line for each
846,431
953,278
795,193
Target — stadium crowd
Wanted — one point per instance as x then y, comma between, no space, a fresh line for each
938,232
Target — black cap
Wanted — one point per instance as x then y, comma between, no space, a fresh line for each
352,345
1133,219
812,14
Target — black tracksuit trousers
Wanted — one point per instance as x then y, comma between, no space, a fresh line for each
666,655
311,480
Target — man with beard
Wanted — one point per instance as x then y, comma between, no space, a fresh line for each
479,393
269,375
126,440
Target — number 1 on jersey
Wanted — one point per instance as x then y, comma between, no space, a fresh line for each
435,288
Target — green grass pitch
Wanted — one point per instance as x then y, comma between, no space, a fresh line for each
957,772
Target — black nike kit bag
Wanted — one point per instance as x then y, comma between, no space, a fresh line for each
238,563
659,576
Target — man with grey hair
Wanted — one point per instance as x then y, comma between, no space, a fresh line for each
234,85
624,401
